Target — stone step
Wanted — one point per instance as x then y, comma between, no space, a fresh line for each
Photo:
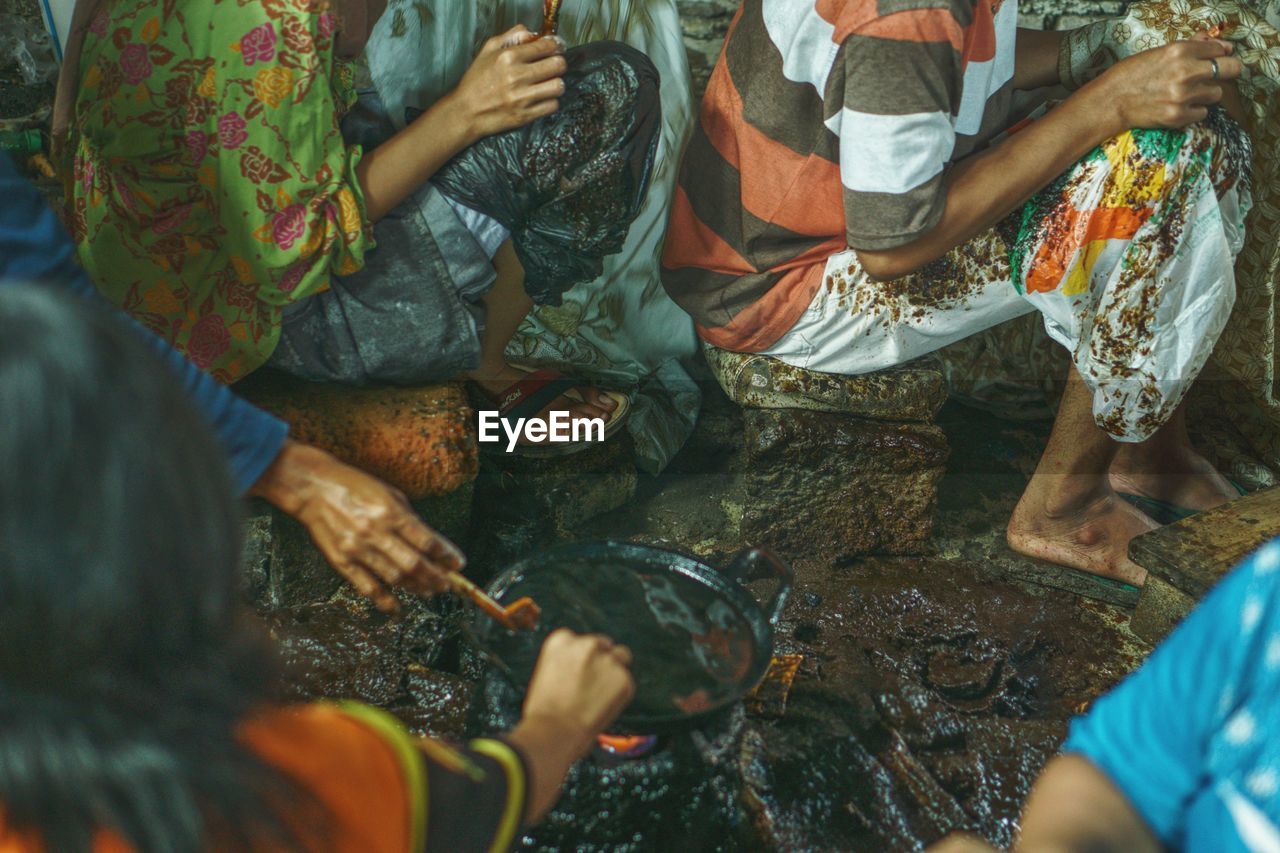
836,487
834,466
1185,560
913,392
422,440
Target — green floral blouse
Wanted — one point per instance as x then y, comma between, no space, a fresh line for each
210,185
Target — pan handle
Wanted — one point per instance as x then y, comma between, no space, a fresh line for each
753,564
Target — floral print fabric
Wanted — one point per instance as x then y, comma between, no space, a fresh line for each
1234,410
210,185
1129,258
1236,416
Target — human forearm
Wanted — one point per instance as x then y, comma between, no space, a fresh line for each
1074,807
1171,86
393,170
1036,59
514,80
252,438
550,747
579,687
986,187
364,528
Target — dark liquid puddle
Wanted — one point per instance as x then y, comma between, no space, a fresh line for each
930,697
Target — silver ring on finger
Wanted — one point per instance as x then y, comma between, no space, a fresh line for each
1217,72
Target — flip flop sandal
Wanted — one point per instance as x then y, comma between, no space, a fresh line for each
1164,512
1161,512
1081,583
540,387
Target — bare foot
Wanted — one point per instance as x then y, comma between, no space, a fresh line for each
595,403
1093,538
1185,479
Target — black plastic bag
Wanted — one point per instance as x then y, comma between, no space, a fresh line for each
569,186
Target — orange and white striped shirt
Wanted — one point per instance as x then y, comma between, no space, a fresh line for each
827,124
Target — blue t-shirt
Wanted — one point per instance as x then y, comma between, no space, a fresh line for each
1193,737
34,247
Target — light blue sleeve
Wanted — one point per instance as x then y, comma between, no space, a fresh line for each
1151,734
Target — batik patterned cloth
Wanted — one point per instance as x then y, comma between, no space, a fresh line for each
210,185
1129,259
1235,407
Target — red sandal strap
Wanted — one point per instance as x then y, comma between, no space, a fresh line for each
526,397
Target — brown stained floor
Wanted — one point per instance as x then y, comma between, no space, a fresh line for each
934,688
932,691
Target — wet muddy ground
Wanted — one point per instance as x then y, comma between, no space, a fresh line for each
932,689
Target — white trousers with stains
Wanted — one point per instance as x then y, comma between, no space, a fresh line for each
1129,258
858,325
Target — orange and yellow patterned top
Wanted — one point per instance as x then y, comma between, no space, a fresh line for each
209,182
382,790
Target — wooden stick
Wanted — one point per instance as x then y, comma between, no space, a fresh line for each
550,17
520,616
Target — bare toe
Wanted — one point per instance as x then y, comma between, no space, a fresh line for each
599,399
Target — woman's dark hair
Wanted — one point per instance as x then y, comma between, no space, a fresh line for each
125,667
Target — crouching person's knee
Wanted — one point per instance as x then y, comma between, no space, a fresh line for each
620,74
617,91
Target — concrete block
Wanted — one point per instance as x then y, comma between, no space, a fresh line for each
913,392
1161,606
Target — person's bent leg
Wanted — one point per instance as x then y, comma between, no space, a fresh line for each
1168,468
1069,514
506,305
1129,257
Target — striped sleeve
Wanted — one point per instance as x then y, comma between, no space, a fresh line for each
460,799
892,98
403,745
515,776
477,796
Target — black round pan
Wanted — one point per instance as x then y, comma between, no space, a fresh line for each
616,588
